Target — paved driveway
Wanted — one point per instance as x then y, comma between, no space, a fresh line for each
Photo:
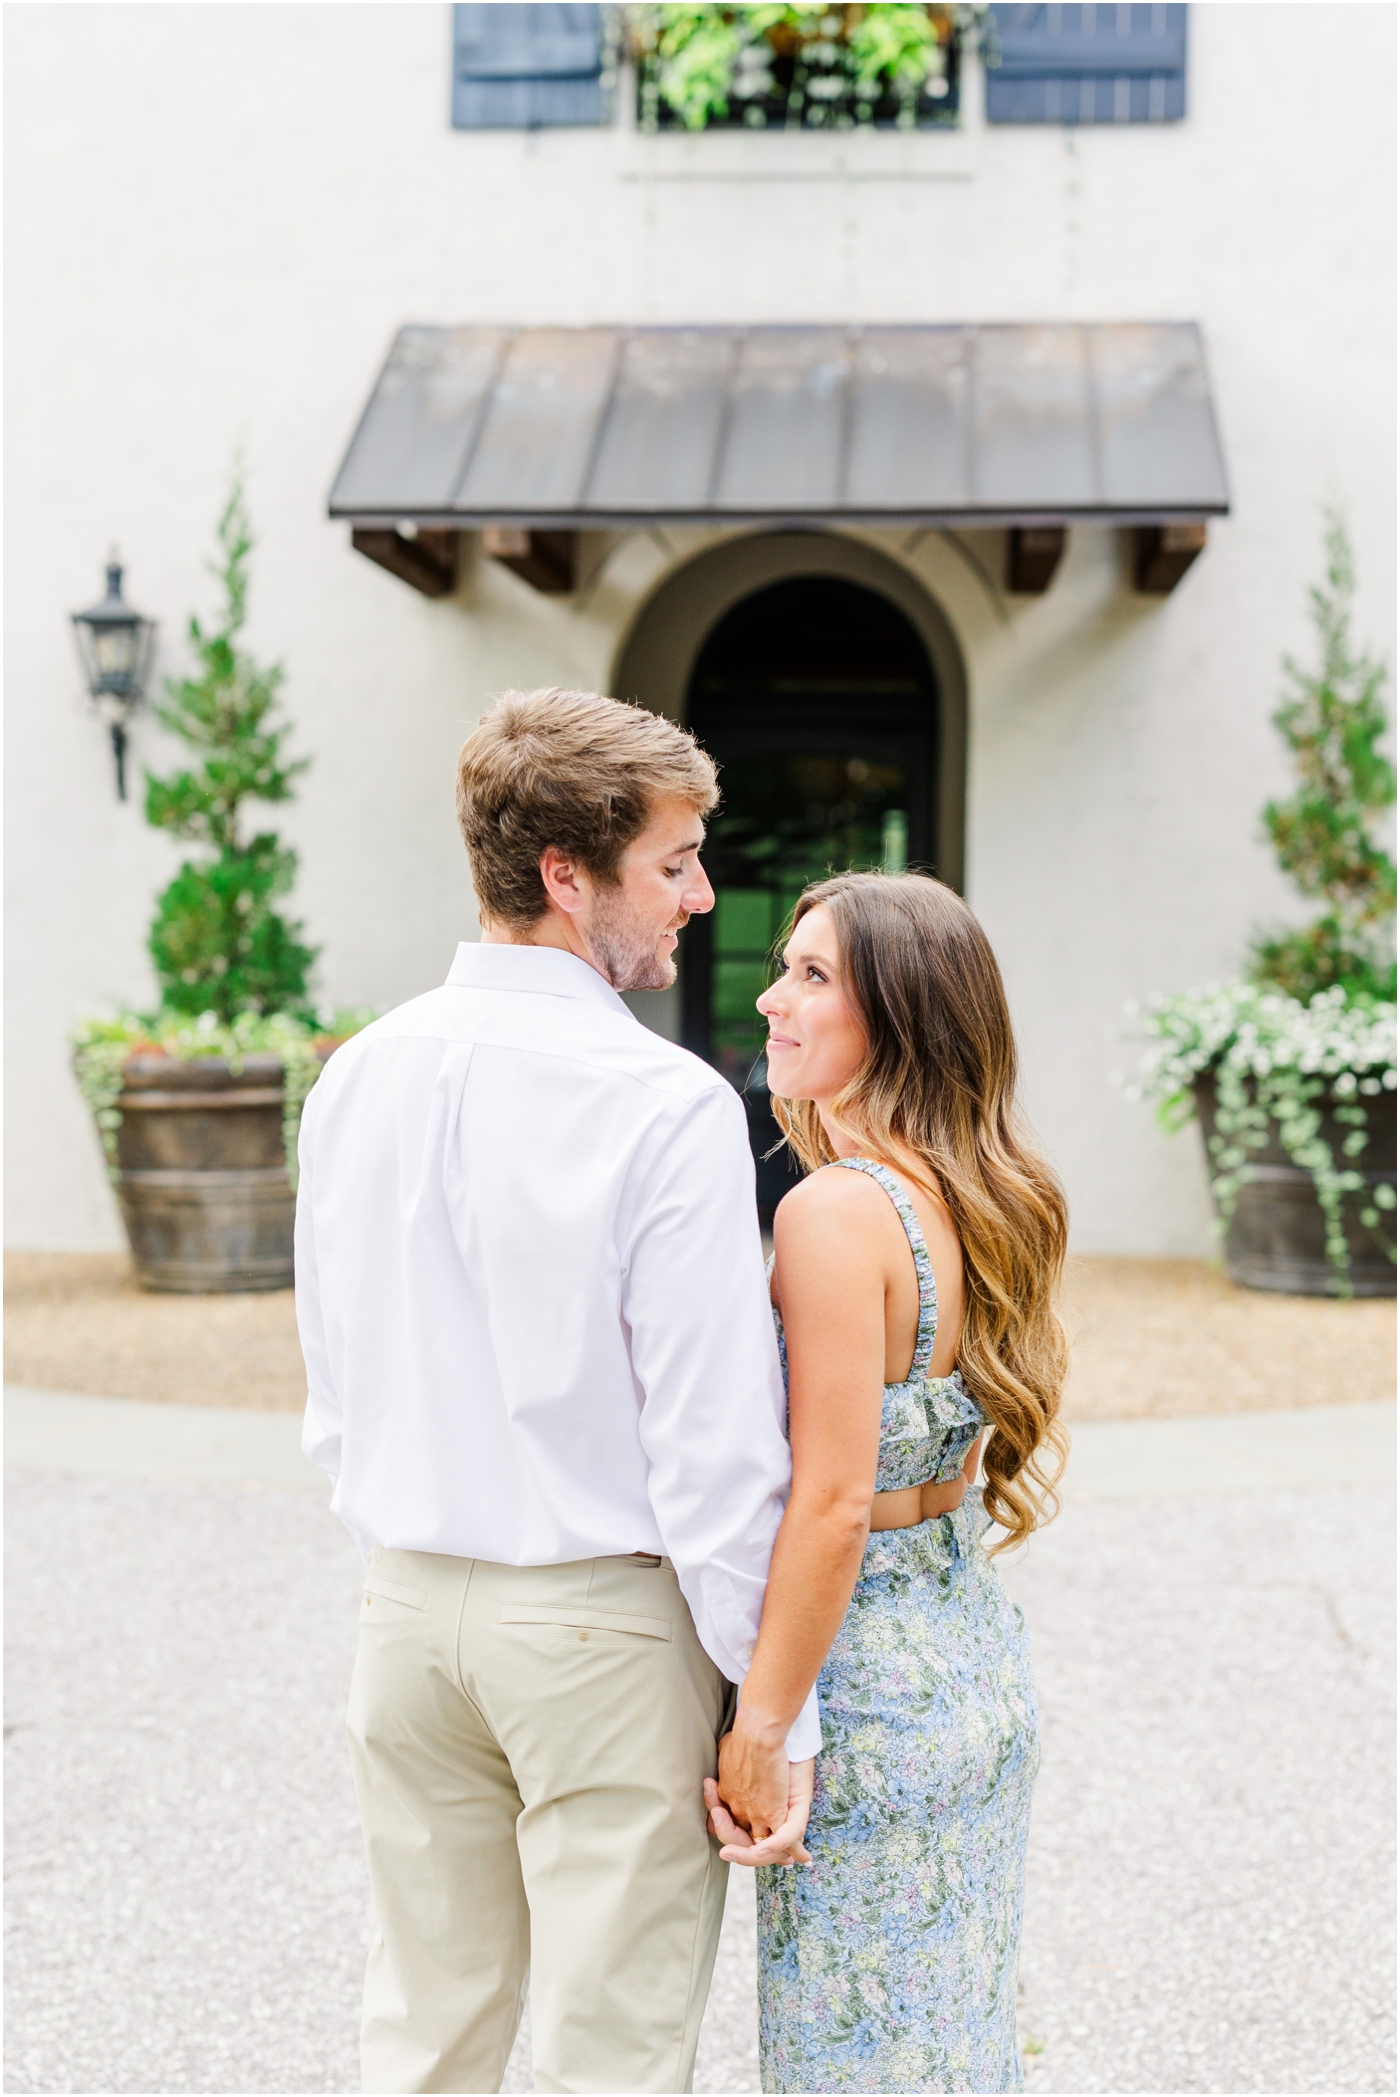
1209,1904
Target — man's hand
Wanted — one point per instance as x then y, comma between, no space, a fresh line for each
784,1845
753,1775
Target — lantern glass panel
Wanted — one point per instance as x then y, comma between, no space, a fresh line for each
115,650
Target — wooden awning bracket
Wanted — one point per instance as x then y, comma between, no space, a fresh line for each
1163,553
548,561
427,557
1033,553
419,555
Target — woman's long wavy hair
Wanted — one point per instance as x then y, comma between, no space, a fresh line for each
938,1084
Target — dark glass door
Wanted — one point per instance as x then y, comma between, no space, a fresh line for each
816,699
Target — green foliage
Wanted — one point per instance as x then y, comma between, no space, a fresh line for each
835,61
232,970
894,43
1311,1038
102,1049
1324,834
698,47
217,942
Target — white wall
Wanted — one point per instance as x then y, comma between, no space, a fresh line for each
217,217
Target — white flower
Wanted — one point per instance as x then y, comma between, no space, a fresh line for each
1244,1028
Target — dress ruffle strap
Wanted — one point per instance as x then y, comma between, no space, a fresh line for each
923,1265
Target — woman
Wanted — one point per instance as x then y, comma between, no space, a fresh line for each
915,1294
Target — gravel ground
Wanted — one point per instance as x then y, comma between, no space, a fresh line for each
1209,1905
1153,1338
186,1900
1210,1899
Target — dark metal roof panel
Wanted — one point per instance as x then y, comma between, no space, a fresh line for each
1032,419
783,445
660,443
909,434
1157,436
416,435
595,426
541,428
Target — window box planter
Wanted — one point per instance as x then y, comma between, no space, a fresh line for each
810,69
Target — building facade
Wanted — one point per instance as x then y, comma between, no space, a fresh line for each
221,218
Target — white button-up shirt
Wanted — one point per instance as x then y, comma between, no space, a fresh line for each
531,1295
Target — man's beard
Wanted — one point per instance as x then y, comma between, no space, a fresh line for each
624,951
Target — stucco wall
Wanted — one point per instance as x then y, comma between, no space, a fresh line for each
218,215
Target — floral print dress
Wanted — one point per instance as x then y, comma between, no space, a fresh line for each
889,1962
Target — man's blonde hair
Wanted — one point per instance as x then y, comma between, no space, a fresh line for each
572,770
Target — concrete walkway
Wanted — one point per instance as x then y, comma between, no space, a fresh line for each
1233,1453
1208,1904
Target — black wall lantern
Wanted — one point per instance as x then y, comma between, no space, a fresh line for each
116,645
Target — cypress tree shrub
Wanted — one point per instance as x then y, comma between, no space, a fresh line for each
218,943
1304,1049
1324,834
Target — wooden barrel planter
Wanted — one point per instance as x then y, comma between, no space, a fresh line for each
202,1174
1277,1237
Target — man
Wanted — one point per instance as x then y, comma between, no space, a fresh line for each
542,1374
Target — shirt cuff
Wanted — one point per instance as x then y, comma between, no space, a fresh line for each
805,1739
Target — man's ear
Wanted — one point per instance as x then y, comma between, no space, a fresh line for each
560,876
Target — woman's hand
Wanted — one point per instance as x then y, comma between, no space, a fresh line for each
784,1845
753,1773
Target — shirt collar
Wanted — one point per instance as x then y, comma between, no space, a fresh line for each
547,971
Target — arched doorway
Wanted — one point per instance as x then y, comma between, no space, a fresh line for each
830,690
817,700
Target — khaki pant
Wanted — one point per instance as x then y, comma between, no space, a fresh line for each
528,1748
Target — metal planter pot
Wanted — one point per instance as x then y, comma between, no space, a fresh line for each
1277,1236
202,1174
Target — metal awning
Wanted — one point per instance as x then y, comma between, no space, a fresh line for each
590,428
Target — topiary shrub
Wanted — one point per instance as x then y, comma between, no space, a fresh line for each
218,942
1324,834
233,972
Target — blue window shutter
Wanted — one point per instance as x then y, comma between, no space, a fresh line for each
1114,64
516,68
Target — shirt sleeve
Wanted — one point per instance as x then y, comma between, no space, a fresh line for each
705,1356
321,1426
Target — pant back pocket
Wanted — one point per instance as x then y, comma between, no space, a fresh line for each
581,1621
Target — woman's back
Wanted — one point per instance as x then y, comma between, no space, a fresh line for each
892,1226
928,1422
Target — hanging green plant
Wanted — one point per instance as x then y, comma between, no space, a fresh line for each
803,68
1281,1070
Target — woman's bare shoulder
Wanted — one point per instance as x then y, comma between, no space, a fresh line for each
832,1204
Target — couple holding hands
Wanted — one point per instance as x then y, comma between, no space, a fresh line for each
674,1562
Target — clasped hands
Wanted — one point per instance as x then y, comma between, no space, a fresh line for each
758,1807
